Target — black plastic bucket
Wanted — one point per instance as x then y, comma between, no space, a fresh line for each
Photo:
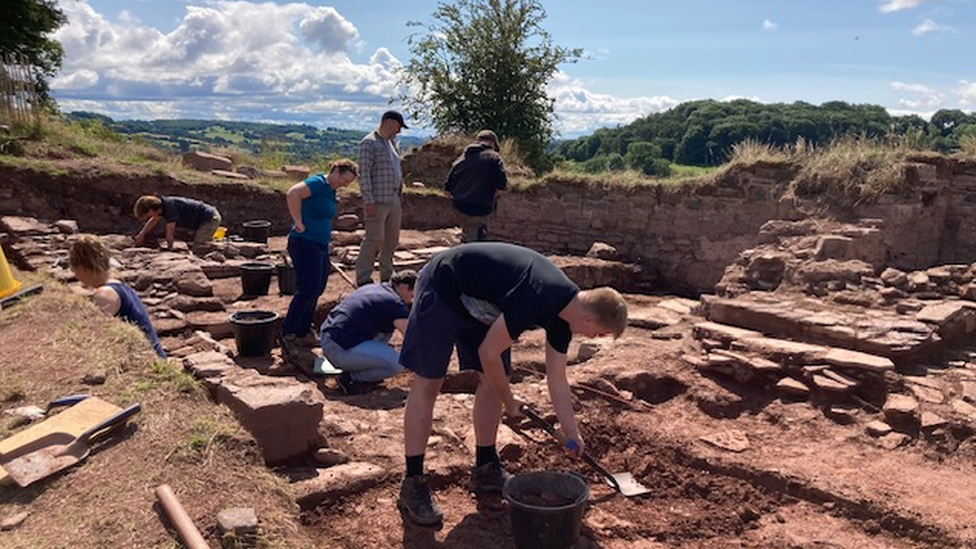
256,278
286,279
546,508
257,231
254,332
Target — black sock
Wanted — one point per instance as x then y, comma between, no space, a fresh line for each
415,465
484,454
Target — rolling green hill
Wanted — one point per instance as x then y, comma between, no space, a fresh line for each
298,143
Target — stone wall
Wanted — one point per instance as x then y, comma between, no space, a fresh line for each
102,202
687,235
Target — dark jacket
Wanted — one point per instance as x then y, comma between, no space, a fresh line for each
474,178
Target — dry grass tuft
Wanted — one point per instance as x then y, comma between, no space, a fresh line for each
751,152
967,147
50,342
855,169
849,169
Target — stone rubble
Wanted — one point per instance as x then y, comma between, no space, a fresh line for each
806,317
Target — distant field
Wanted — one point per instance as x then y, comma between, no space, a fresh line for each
298,143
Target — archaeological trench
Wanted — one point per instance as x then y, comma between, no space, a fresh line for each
798,372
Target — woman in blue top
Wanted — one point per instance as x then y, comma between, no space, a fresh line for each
90,261
312,205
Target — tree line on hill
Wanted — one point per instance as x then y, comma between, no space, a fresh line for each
287,142
703,133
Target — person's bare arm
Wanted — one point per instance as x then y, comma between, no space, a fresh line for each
560,395
490,352
146,229
107,300
401,325
170,234
296,194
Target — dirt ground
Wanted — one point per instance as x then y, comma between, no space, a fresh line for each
793,478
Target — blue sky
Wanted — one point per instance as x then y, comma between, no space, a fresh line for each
334,63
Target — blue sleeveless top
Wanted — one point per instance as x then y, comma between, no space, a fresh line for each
133,311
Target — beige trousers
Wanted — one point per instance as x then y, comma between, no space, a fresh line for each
382,238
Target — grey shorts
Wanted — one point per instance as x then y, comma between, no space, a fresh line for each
435,329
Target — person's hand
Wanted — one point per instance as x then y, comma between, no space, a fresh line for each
299,227
575,445
513,410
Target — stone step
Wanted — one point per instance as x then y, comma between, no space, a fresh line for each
784,351
886,333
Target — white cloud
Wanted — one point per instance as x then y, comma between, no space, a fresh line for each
224,58
769,25
966,93
76,80
328,29
580,111
927,26
891,6
923,98
888,6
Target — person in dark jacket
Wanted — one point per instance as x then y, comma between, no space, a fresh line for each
476,178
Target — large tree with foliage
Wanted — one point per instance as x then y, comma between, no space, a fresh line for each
25,28
485,64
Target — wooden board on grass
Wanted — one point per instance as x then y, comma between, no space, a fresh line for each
73,421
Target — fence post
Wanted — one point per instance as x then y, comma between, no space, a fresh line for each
18,97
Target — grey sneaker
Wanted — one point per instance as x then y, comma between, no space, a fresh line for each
417,502
488,479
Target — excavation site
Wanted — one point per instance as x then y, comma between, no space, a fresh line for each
798,370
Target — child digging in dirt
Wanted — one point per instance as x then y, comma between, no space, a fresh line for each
480,297
89,259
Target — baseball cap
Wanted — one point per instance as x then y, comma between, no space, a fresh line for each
487,135
395,116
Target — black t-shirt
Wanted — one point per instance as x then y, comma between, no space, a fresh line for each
528,289
186,212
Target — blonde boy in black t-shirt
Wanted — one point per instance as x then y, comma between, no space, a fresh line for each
480,297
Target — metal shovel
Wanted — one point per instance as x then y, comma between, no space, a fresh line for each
625,483
57,453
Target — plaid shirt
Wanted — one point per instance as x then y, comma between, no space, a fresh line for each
380,179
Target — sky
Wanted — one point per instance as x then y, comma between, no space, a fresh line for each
334,63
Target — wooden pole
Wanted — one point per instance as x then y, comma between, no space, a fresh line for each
181,521
342,274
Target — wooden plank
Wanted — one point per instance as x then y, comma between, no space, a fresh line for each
74,421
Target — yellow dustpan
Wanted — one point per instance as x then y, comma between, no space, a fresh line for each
7,283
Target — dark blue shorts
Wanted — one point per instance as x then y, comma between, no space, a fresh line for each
434,329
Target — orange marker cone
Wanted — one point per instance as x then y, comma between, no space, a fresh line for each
7,283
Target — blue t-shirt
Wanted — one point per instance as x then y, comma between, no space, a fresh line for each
368,311
133,311
318,210
187,212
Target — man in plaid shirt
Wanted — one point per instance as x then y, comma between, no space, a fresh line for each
380,182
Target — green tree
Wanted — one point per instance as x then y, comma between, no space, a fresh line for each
646,158
485,64
616,162
25,26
